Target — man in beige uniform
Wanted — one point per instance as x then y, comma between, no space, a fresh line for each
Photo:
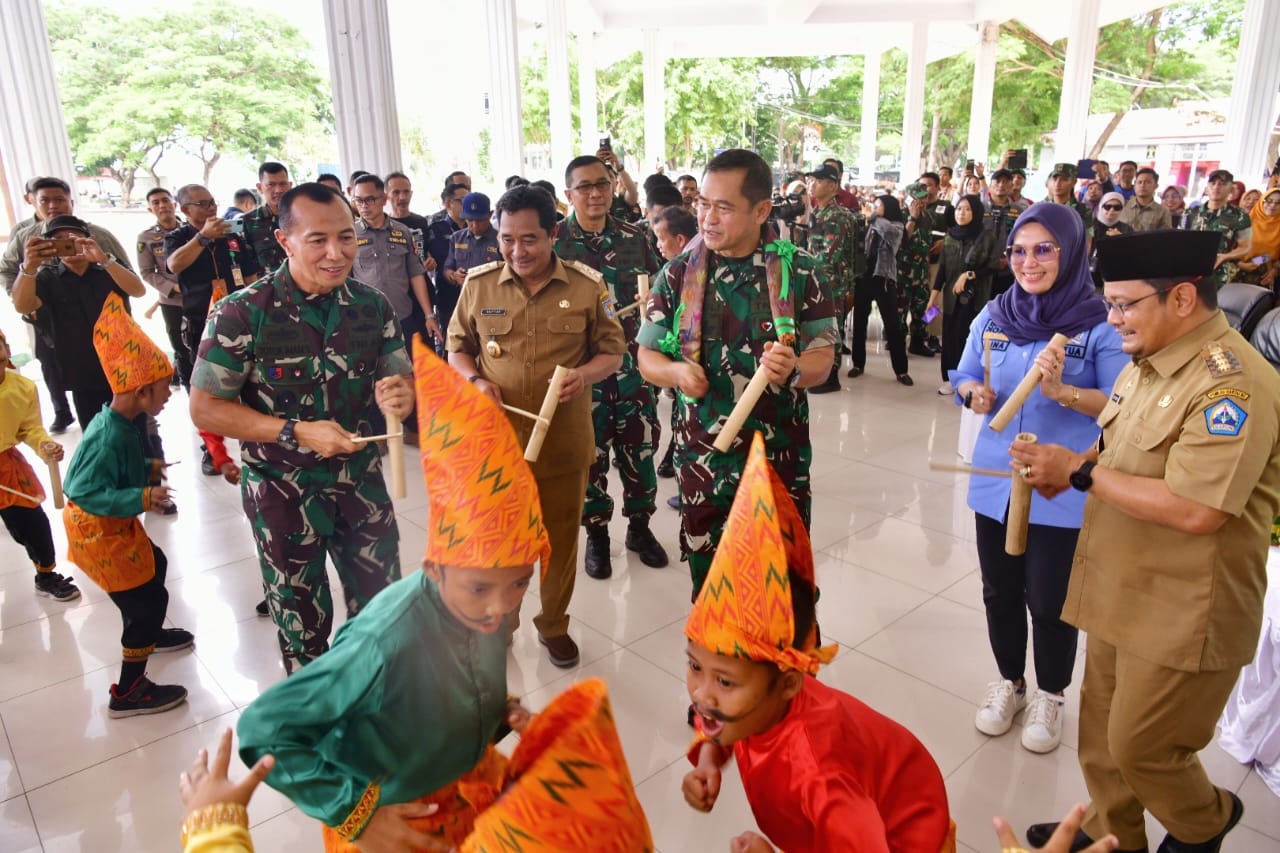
515,322
1170,568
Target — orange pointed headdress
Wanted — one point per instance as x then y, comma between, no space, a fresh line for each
129,357
569,786
744,609
485,511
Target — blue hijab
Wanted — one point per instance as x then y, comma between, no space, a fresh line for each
1071,306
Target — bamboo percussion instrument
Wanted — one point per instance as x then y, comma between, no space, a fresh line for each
395,453
362,439
968,469
150,312
1023,391
747,402
986,362
530,415
642,284
55,484
545,414
31,498
1015,534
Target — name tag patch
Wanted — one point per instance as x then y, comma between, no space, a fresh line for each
493,312
1225,418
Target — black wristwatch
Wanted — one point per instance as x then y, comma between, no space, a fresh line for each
1082,477
286,438
968,400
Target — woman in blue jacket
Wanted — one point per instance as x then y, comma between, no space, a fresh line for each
1054,293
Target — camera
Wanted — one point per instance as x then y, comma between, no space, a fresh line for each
788,208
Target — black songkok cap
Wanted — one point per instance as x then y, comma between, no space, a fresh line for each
1146,255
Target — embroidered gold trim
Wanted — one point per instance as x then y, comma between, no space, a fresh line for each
359,817
209,817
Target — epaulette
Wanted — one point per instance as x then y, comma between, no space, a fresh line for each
1220,360
482,269
589,271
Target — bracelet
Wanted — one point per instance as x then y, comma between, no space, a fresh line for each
22,270
217,814
1075,398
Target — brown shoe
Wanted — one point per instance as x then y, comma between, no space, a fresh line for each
562,650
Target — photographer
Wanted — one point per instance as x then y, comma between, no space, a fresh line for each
791,213
626,196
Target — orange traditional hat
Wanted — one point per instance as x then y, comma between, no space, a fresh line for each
485,511
744,609
569,786
130,359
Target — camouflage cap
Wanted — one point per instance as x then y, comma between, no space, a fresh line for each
1064,170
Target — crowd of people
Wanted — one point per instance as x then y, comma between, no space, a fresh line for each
307,326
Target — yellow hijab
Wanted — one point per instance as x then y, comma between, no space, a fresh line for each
1266,228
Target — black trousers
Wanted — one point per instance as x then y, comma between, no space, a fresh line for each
52,378
29,527
89,401
143,609
1036,581
183,357
884,293
955,334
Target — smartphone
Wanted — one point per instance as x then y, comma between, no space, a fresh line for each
65,247
606,143
930,315
968,166
1018,160
1084,169
237,226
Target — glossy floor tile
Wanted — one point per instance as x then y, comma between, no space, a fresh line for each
901,595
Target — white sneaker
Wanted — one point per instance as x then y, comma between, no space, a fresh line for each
1003,701
1042,724
945,390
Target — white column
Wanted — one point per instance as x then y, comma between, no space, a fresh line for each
984,81
364,90
587,107
655,105
913,114
870,118
1077,81
507,150
558,94
1253,93
33,136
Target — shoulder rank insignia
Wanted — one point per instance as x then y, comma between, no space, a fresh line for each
1220,360
590,272
482,269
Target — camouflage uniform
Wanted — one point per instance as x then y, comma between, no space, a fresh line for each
736,324
834,238
284,353
260,226
624,408
1233,226
913,279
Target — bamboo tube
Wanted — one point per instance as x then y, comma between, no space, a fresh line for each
1015,534
31,498
395,453
1020,394
642,285
545,414
55,484
986,362
741,410
530,415
968,469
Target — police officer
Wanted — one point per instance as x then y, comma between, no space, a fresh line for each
154,271
833,238
734,274
475,245
624,409
439,242
261,223
515,322
1170,565
289,366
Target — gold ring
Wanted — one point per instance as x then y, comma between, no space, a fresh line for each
1026,472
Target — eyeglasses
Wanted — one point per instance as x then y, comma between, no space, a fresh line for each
1269,202
600,187
208,204
367,199
1113,207
1125,307
1043,252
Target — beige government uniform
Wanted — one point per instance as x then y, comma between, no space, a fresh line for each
1172,617
517,341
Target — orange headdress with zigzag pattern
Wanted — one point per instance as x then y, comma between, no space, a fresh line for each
744,609
569,786
485,511
130,359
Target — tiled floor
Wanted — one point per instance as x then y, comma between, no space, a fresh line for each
900,593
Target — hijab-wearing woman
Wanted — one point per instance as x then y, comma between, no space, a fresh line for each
884,235
963,284
1265,242
1093,196
1175,200
1106,224
1053,292
1249,199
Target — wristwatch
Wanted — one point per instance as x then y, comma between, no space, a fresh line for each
286,438
1082,477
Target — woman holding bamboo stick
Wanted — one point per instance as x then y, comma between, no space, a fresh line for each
1010,336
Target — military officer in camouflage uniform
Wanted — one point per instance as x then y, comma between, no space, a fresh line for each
732,278
913,268
289,366
1061,184
624,409
1235,229
515,323
833,238
260,224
